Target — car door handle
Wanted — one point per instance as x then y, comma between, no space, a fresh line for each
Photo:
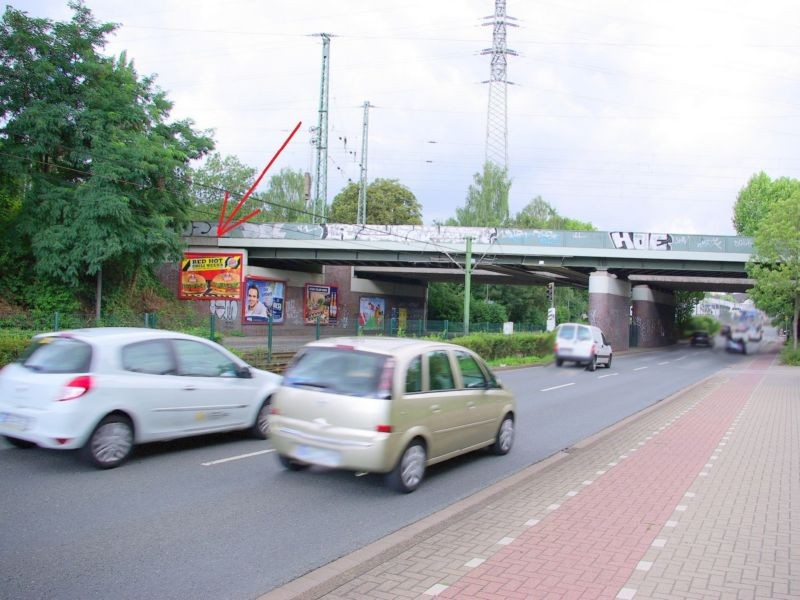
435,408
189,388
471,405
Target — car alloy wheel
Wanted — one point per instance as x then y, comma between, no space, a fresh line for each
410,469
260,429
110,443
505,437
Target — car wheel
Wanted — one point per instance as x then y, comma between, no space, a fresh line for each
260,427
608,364
290,464
505,437
111,442
409,470
592,365
559,362
18,443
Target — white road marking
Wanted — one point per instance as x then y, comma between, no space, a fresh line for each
666,362
639,368
556,387
609,375
241,456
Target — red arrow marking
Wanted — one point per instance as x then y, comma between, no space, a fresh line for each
224,223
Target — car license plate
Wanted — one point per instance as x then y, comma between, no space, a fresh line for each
318,456
13,422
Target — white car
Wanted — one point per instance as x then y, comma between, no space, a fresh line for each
105,389
582,344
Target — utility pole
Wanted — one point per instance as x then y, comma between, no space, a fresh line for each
361,218
497,121
467,283
321,182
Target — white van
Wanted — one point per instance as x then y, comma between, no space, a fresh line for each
582,344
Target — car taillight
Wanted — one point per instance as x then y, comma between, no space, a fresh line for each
384,429
76,388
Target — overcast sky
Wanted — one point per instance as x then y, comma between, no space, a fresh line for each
634,115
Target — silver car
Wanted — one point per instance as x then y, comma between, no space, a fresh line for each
104,389
388,405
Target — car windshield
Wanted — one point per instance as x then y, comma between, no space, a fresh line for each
337,370
57,355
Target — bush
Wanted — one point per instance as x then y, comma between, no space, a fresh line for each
12,344
701,323
492,346
790,356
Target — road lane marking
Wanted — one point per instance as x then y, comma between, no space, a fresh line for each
681,358
241,456
556,387
608,375
666,362
639,368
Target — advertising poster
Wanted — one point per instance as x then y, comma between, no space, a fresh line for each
210,276
371,312
321,302
263,297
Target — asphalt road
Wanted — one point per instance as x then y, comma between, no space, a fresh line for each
219,518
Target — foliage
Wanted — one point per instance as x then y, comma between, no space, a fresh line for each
87,151
538,214
12,344
487,199
285,198
790,356
755,199
493,346
775,264
701,323
388,203
685,303
212,179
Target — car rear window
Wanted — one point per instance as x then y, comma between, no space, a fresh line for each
58,355
566,332
337,370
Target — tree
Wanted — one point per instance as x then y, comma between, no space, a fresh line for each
104,172
775,264
685,303
388,203
487,199
212,179
756,198
285,198
538,214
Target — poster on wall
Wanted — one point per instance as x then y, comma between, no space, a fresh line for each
210,276
263,297
371,312
321,303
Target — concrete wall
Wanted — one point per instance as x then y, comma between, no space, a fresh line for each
609,307
653,317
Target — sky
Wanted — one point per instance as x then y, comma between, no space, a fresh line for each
633,115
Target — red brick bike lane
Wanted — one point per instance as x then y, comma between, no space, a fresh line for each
590,544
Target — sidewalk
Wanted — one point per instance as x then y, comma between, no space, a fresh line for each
695,497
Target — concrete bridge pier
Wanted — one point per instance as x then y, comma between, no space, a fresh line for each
610,307
653,317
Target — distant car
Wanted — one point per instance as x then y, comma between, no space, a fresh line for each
736,346
388,405
104,389
701,338
582,344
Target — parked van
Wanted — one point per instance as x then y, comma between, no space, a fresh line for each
582,344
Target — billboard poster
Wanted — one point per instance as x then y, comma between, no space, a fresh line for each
321,303
206,276
371,312
262,297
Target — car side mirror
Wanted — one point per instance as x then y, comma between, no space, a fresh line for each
244,373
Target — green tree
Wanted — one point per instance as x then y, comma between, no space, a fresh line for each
775,264
285,198
685,303
388,203
487,199
538,214
755,199
212,179
105,173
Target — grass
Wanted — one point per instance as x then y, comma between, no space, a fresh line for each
520,361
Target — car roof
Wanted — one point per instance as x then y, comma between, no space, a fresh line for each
91,334
382,344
